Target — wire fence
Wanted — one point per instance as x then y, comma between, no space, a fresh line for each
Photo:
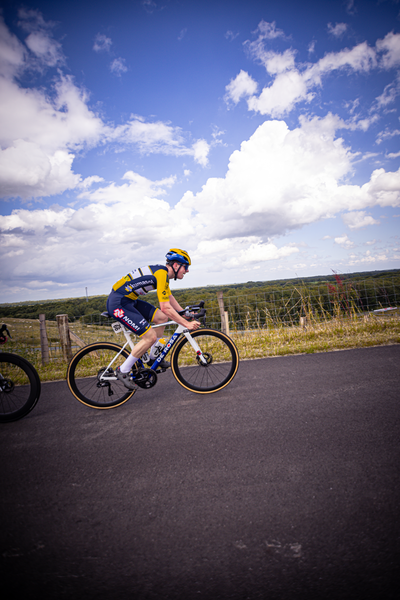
242,311
285,306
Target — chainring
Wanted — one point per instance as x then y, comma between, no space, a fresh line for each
145,378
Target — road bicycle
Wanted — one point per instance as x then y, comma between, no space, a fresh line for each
19,384
202,361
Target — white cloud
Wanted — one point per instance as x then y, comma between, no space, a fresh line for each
182,33
367,258
27,171
279,180
89,181
240,87
338,29
350,8
230,35
390,46
46,50
387,134
282,179
358,219
389,94
102,43
12,52
118,66
42,129
201,150
286,91
344,241
38,134
266,31
294,84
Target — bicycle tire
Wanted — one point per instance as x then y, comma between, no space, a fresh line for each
22,391
82,376
222,356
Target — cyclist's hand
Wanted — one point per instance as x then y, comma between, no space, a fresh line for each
193,325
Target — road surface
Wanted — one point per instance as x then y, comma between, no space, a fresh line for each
283,485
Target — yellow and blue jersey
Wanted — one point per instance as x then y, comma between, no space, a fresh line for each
144,280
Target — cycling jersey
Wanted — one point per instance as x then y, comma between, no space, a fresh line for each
143,280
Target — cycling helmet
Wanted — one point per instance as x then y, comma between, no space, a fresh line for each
179,256
175,255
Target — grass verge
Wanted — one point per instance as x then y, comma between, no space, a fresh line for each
334,334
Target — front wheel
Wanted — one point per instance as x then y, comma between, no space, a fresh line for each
91,378
19,387
222,361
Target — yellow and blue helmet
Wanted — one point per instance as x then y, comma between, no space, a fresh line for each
179,256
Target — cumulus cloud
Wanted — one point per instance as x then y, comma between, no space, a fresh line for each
41,130
241,86
344,241
38,136
358,219
292,84
279,180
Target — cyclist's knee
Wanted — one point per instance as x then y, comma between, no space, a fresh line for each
150,336
159,318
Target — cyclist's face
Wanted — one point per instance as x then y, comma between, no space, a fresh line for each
183,269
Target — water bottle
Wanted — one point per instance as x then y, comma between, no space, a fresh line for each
156,349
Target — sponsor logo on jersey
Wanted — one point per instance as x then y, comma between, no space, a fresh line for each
119,313
131,323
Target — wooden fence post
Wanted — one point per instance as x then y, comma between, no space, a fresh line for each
44,342
303,322
62,322
224,314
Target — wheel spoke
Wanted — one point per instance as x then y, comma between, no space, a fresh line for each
19,387
84,376
222,362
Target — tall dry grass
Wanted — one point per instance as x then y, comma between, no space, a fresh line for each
322,333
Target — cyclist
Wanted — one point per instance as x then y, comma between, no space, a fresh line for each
125,306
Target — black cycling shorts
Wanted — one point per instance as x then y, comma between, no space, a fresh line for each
136,315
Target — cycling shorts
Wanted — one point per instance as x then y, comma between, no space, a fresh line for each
136,315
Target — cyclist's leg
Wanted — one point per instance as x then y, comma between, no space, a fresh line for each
134,315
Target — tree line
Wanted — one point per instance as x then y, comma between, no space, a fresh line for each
258,301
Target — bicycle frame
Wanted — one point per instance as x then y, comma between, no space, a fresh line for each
118,327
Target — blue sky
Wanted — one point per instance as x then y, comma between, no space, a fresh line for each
261,137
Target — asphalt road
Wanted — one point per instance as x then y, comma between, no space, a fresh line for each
283,485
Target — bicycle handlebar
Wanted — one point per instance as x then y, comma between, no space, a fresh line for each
195,311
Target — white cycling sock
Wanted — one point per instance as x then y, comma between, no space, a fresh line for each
128,364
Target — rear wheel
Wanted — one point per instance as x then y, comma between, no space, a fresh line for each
19,387
222,361
89,380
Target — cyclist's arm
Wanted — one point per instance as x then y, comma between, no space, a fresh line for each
174,303
170,309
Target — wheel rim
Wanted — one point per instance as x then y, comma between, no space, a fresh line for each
221,357
84,377
17,396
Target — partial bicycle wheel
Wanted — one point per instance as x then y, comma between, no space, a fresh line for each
19,387
85,370
222,362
